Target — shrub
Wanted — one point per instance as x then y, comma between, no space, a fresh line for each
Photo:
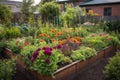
112,26
49,11
12,32
5,15
7,69
112,70
2,33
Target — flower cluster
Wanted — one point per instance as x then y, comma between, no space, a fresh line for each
46,51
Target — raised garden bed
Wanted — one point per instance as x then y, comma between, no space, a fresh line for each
68,71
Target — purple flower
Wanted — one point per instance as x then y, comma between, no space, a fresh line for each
34,56
57,47
47,48
47,52
47,61
38,49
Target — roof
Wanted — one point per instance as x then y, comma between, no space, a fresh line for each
100,2
70,0
10,2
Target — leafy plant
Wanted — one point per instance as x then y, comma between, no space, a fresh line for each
2,46
45,61
83,53
12,32
26,52
112,70
7,69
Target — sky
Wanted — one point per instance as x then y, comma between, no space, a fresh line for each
36,1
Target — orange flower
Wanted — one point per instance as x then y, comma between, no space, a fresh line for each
61,42
52,31
41,35
48,36
53,40
41,40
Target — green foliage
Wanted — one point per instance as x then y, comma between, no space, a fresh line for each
112,26
97,42
7,69
64,59
46,68
44,1
27,9
71,16
12,32
2,46
49,11
5,15
11,44
26,52
112,70
2,33
83,53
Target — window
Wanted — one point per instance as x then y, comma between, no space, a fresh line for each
108,11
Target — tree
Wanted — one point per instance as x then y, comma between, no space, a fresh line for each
27,9
5,14
44,1
49,11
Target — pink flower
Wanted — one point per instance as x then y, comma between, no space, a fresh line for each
47,61
92,34
101,34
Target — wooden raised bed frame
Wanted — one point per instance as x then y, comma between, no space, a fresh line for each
69,71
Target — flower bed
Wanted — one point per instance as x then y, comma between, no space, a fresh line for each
68,71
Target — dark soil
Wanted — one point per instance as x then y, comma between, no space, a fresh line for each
92,72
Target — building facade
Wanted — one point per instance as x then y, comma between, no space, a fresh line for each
103,7
13,5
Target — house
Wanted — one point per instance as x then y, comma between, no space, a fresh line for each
103,7
74,3
13,5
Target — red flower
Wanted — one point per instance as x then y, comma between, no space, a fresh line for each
47,61
20,47
17,42
26,43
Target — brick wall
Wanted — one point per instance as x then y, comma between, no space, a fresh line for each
100,9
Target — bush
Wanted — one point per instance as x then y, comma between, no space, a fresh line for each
112,26
49,11
5,14
12,32
7,69
2,33
112,70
